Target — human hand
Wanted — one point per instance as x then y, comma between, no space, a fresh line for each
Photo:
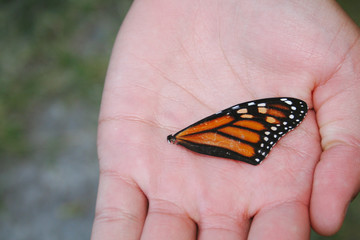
175,62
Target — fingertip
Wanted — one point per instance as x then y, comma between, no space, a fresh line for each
334,186
120,210
327,216
285,221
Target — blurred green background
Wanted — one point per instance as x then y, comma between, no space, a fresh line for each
54,56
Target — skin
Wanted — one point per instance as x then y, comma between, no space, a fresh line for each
175,62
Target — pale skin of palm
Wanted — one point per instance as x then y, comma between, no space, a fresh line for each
176,62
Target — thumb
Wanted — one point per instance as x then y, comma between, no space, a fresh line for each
337,175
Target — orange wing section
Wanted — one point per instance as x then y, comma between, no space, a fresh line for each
242,134
276,113
250,124
217,122
281,106
214,139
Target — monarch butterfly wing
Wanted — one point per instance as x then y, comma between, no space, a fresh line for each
244,132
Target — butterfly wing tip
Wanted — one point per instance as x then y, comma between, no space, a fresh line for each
171,139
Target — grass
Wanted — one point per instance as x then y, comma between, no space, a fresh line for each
54,49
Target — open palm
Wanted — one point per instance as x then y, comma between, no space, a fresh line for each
175,63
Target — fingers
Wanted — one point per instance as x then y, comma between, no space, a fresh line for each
167,221
223,227
285,221
336,182
120,209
